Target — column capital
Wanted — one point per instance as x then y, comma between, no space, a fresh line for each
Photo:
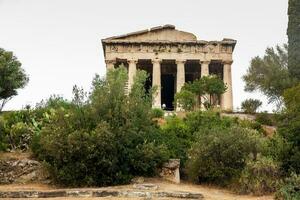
227,62
132,60
180,61
110,61
207,62
156,60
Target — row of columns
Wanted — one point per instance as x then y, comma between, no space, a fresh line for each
226,99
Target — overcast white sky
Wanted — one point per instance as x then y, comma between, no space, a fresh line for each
59,41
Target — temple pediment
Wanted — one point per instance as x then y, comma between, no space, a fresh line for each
160,33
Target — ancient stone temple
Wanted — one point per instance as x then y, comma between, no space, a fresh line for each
171,58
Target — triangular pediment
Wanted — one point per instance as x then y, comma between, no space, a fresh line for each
160,33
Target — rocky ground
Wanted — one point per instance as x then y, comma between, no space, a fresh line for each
20,173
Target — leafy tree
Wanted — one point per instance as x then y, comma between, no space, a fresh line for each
214,86
251,105
294,38
12,77
106,139
186,99
289,128
269,74
208,88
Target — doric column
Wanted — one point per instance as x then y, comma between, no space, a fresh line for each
156,82
110,64
131,72
204,72
180,75
204,68
227,102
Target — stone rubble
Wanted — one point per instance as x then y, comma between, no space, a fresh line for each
21,171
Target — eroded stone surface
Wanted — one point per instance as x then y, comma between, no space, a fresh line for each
170,171
145,186
21,171
98,193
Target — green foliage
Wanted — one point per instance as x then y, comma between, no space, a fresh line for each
294,38
19,127
105,139
251,125
289,189
269,74
251,105
289,129
208,88
186,100
3,135
292,99
199,122
265,118
20,136
220,155
259,177
157,113
12,77
177,138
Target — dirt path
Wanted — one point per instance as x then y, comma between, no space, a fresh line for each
209,193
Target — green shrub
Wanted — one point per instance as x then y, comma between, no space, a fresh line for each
252,125
20,136
3,135
186,100
251,105
157,113
289,189
220,155
259,177
105,140
177,138
199,121
265,119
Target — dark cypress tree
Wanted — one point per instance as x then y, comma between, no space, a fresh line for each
294,38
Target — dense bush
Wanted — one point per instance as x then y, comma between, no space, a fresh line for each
220,155
289,129
105,139
157,113
259,177
3,136
265,118
17,128
289,189
178,139
186,100
251,105
199,121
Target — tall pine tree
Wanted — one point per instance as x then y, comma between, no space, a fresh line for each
294,38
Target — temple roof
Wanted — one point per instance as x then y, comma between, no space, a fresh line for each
166,34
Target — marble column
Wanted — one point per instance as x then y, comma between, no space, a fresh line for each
227,99
180,78
156,82
180,75
204,68
204,72
110,64
131,72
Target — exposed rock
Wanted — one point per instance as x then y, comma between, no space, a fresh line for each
21,171
146,186
170,171
98,193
